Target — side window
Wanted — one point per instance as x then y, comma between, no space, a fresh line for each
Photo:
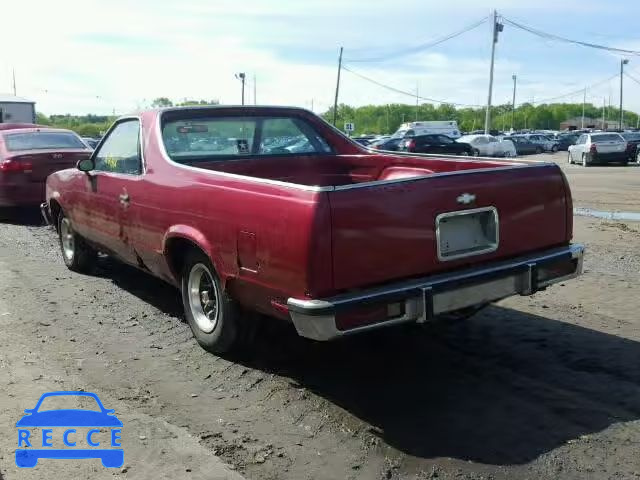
287,135
444,139
482,141
492,140
120,151
581,139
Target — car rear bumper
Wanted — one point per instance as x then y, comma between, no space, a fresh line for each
21,195
421,300
609,157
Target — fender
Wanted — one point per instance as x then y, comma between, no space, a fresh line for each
196,237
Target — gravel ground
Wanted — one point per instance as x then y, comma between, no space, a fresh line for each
540,387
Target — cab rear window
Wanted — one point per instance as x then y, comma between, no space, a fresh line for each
607,137
42,141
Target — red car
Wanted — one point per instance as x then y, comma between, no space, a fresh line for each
28,154
272,210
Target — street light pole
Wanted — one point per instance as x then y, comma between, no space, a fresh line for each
241,77
513,103
623,62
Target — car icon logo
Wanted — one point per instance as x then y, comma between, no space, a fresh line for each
69,433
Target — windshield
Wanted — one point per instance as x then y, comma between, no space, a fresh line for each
43,141
65,402
192,139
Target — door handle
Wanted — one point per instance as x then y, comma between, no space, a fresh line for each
124,198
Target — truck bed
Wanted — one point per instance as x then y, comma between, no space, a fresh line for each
341,170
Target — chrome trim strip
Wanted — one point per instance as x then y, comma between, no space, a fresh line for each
492,248
315,319
437,175
265,181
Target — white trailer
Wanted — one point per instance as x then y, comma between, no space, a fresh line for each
16,110
444,127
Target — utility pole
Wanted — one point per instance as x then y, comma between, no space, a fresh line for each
417,97
335,101
255,102
623,62
513,103
14,82
241,77
584,100
495,30
388,108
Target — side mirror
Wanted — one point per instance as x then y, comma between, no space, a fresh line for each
85,165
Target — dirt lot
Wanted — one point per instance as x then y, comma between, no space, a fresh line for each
541,387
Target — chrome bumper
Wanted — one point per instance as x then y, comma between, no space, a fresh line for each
46,213
426,298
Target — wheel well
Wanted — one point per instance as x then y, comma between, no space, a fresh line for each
176,251
55,209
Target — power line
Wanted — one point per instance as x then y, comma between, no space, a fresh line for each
551,36
632,78
418,48
571,94
404,92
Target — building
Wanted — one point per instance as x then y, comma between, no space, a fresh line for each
16,109
592,123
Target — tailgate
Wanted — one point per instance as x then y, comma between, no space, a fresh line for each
44,163
387,231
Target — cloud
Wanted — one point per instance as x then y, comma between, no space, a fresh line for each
96,56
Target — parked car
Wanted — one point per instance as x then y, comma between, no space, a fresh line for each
362,140
92,143
489,146
602,147
565,140
633,140
434,144
337,239
388,144
548,144
524,146
28,155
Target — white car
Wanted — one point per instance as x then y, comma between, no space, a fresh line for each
489,146
600,147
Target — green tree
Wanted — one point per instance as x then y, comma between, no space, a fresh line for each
161,102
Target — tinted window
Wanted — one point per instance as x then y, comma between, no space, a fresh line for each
42,141
606,137
120,151
444,139
631,136
581,139
204,138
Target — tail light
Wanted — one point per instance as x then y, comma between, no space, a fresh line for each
15,166
593,148
411,145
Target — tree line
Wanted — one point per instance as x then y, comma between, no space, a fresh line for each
96,125
380,119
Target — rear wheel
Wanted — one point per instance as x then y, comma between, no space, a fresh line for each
76,253
213,316
476,152
585,162
569,158
554,148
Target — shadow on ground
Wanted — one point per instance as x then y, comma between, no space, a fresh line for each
21,216
502,388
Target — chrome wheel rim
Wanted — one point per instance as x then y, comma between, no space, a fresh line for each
67,240
204,298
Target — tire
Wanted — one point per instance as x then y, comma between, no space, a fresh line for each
464,153
216,326
554,148
585,163
569,158
476,152
77,255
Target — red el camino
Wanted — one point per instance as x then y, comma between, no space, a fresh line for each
28,154
272,210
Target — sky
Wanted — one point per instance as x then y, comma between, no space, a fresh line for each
99,56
